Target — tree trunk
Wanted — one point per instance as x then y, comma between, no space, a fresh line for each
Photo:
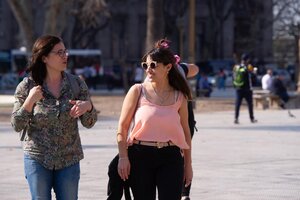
22,11
192,5
297,67
57,16
155,23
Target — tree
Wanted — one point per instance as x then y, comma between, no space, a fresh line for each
57,14
90,17
22,11
174,11
219,12
155,23
287,24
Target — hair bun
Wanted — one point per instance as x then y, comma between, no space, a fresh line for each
163,43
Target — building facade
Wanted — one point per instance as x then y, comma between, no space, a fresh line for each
221,31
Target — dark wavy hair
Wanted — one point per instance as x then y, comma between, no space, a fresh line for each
161,53
42,47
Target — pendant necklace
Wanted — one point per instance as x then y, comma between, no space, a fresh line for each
161,99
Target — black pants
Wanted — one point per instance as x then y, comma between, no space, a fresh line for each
152,168
283,96
166,174
192,126
247,95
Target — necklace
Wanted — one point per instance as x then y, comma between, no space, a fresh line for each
160,98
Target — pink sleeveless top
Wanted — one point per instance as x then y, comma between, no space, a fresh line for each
157,123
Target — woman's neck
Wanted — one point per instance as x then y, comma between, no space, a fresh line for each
53,81
161,86
53,77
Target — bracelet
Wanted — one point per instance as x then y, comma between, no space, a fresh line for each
119,134
123,158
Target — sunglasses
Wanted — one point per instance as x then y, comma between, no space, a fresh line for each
152,65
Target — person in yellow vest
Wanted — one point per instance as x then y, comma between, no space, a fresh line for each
243,81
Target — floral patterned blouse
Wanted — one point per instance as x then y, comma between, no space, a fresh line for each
52,134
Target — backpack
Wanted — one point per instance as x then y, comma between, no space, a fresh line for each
74,87
191,118
238,76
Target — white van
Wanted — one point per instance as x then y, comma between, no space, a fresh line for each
80,58
77,57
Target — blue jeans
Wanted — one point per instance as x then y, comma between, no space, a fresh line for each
41,180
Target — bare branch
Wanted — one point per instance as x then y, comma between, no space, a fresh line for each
23,13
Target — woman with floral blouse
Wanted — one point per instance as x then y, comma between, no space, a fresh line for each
47,107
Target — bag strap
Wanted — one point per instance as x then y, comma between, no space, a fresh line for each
22,134
140,87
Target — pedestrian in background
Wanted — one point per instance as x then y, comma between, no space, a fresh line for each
138,74
221,79
48,109
243,79
204,87
279,89
150,158
266,81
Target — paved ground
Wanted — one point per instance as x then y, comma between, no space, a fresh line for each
231,162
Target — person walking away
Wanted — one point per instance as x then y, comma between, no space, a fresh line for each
280,90
48,109
150,158
242,81
188,70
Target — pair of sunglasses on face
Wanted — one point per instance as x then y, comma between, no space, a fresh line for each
151,65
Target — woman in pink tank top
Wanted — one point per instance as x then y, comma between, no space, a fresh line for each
150,157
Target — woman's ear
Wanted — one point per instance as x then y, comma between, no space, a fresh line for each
169,66
44,59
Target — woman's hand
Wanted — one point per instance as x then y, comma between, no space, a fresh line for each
188,174
124,168
35,95
80,107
